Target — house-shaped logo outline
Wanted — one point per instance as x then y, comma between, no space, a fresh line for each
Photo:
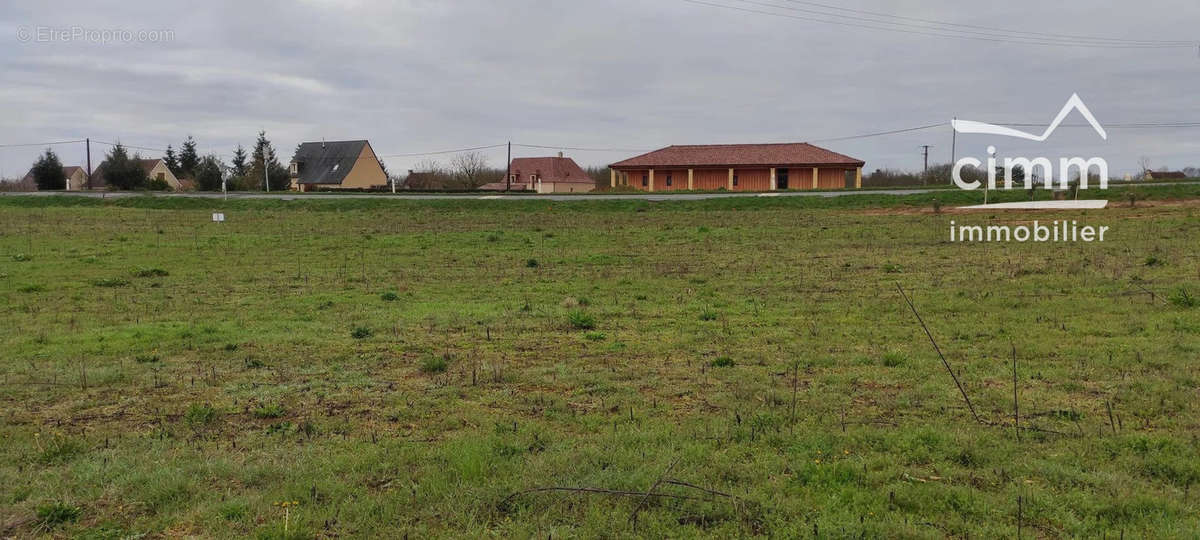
1075,103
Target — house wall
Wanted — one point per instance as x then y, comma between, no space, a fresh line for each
161,168
566,187
78,180
710,179
752,179
366,172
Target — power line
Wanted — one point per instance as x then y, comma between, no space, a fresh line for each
1018,33
441,152
879,133
18,145
578,149
935,32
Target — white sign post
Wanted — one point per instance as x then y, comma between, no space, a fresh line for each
218,217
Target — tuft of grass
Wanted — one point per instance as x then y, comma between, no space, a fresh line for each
200,415
21,257
273,410
110,282
1182,298
892,269
581,320
893,359
722,361
435,364
594,336
146,359
56,513
31,288
59,450
1153,261
150,272
360,332
531,263
708,314
389,296
231,347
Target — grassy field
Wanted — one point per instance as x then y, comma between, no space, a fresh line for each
418,369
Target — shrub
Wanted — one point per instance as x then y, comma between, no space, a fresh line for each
361,332
273,410
1183,298
435,364
389,296
150,272
56,513
581,320
231,347
1153,261
198,415
723,361
21,257
531,263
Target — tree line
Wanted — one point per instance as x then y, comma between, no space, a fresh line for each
245,172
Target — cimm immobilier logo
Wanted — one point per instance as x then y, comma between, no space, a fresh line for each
1030,166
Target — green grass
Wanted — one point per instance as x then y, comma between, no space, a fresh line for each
185,404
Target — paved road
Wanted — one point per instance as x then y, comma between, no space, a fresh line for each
502,197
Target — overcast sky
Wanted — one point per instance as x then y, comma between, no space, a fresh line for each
427,75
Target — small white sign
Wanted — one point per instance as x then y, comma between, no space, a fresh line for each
218,218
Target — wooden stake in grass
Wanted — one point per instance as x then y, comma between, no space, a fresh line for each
1016,415
961,390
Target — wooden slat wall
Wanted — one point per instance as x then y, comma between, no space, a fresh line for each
711,179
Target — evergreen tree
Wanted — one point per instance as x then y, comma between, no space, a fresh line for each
48,172
209,173
122,171
262,159
239,162
188,159
172,161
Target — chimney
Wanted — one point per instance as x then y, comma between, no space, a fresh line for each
322,143
560,154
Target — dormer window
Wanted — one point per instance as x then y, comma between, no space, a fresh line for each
295,168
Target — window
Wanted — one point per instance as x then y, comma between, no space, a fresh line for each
295,170
735,180
533,178
668,180
161,177
512,177
645,180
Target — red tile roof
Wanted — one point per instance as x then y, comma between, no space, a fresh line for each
550,170
739,155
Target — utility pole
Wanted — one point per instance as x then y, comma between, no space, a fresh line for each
953,142
89,161
926,148
508,169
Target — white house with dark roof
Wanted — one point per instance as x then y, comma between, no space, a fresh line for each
336,165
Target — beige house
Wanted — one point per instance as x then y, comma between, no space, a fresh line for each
156,169
76,178
336,165
545,175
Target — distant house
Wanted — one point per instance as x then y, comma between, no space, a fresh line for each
76,178
336,165
156,169
738,167
1165,175
545,175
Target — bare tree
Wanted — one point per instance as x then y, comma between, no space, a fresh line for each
1144,165
470,170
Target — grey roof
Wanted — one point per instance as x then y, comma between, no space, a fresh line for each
327,162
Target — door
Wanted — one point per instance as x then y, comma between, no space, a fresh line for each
781,179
